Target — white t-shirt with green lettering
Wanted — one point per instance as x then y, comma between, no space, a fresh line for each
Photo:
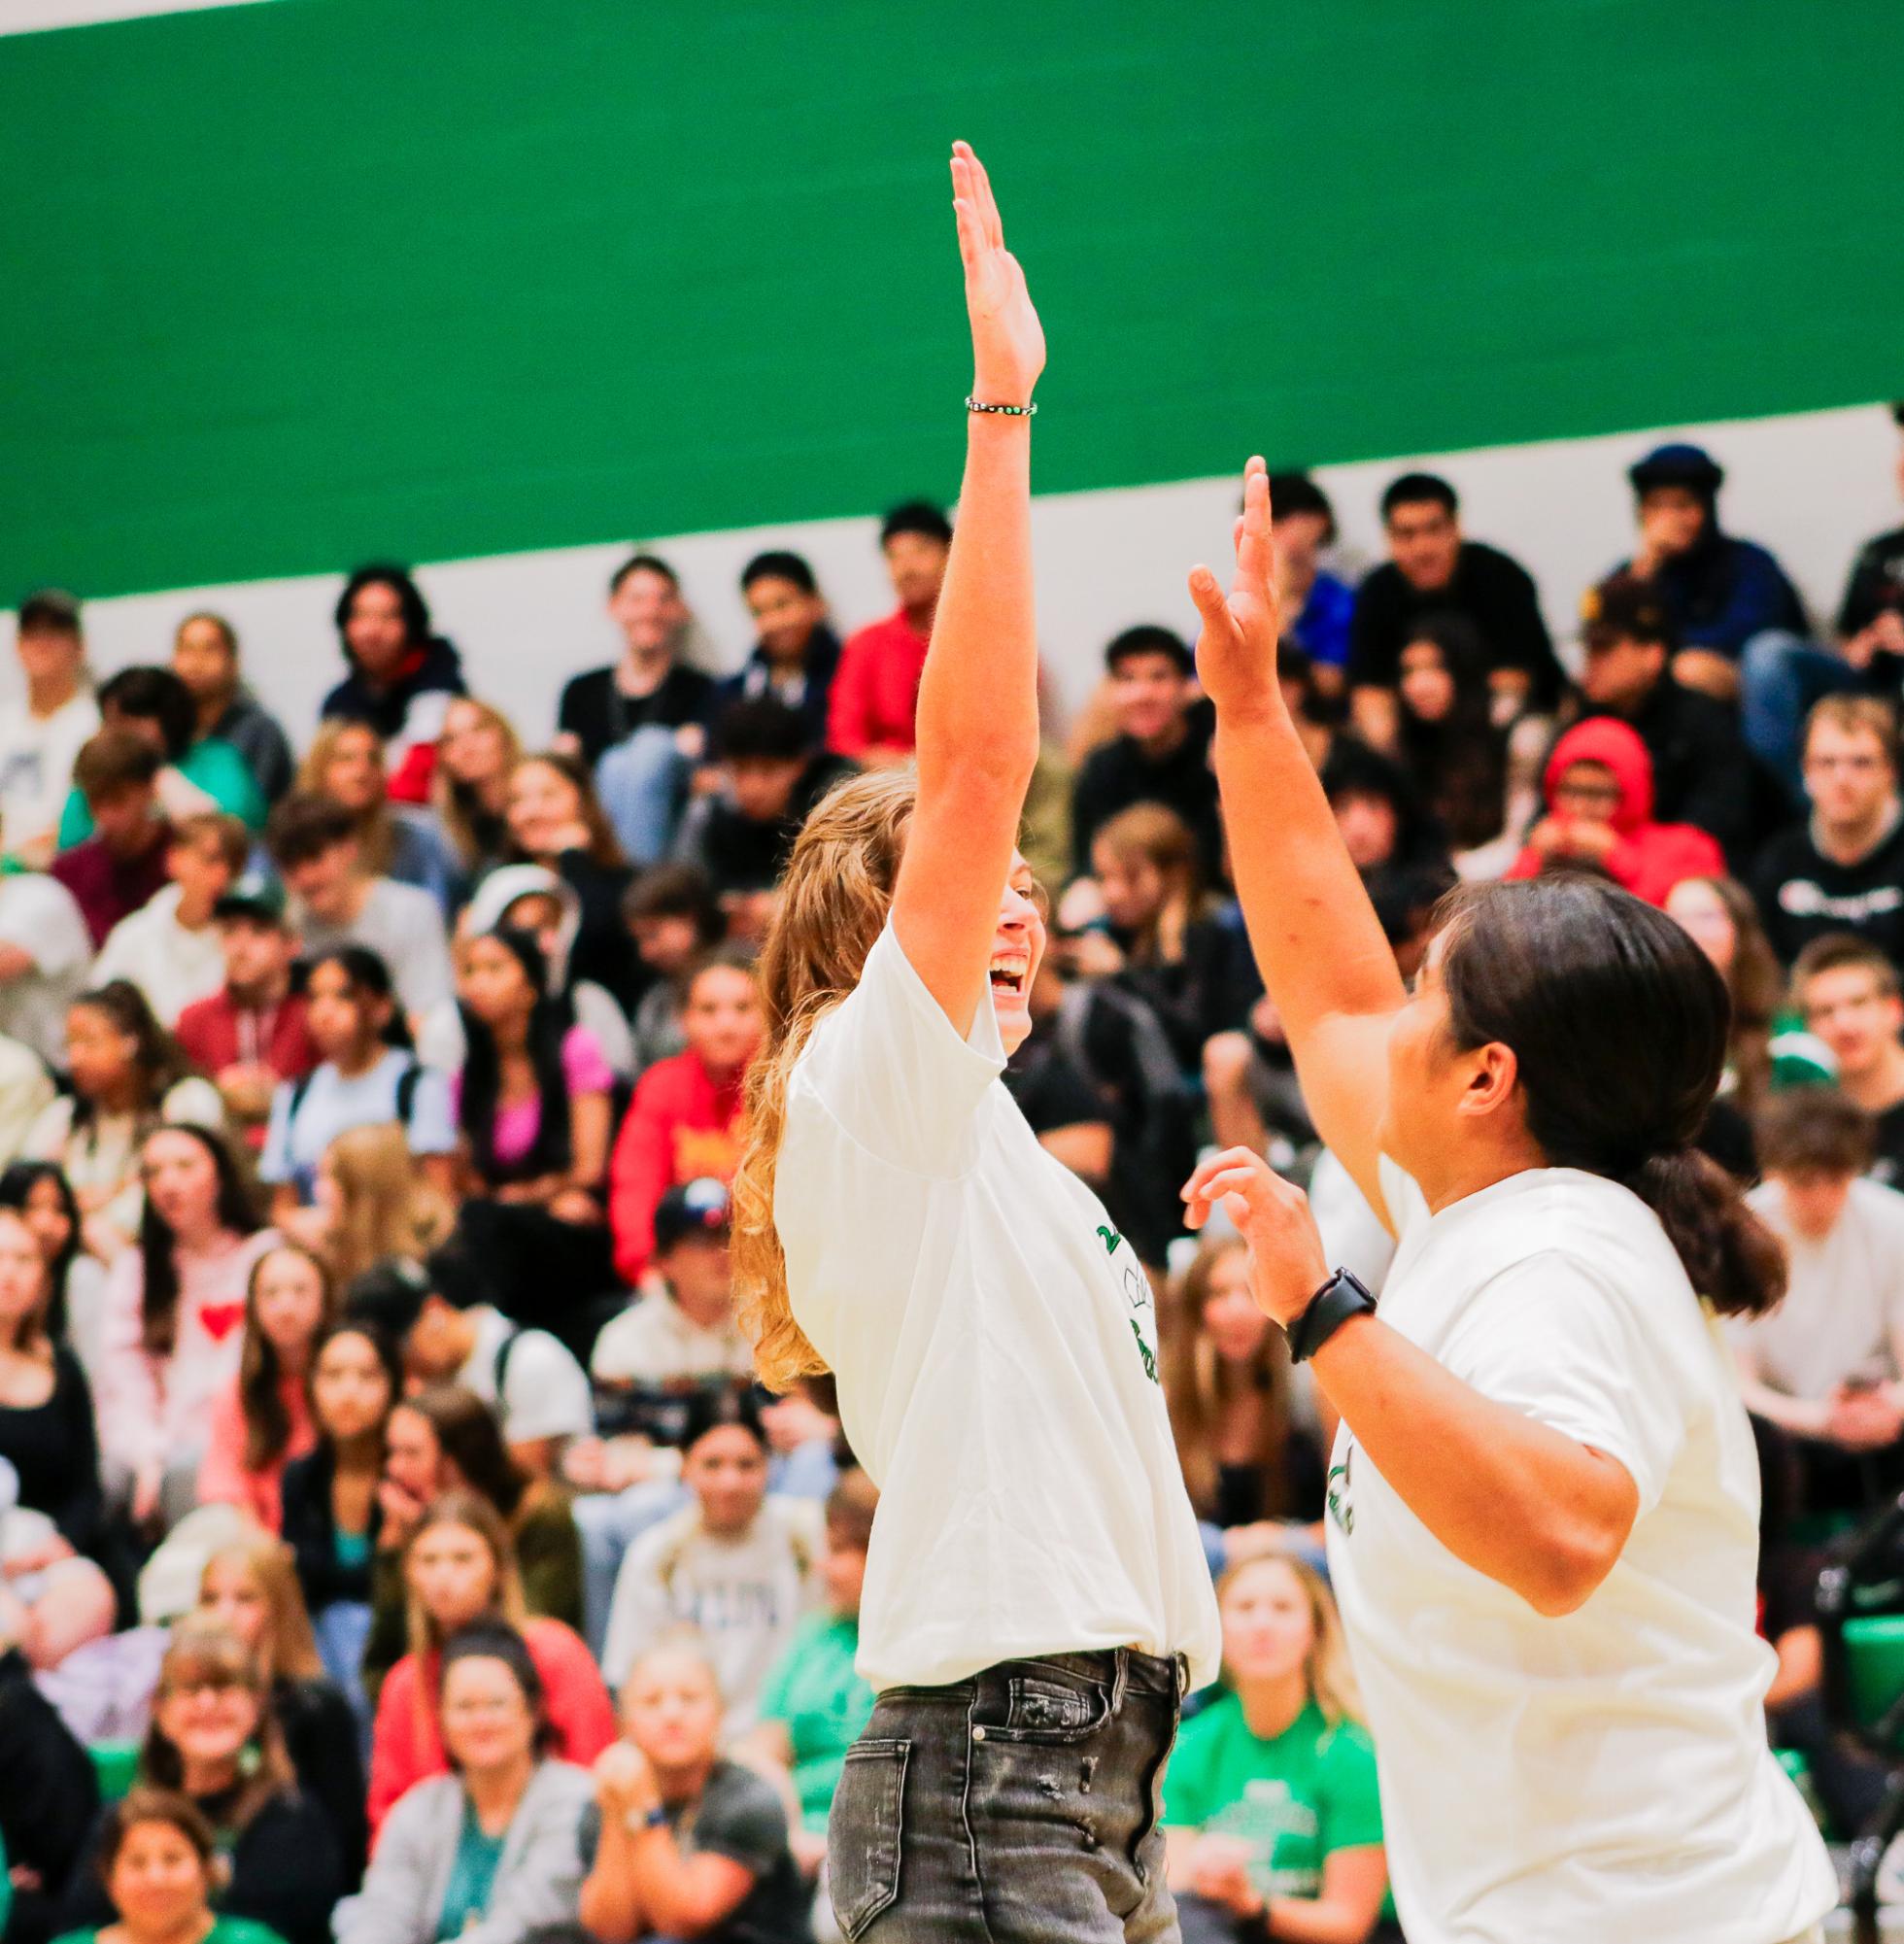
996,1347
1603,1775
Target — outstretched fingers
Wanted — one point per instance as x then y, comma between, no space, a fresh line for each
986,202
1253,550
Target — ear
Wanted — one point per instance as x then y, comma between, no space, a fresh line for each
1494,1075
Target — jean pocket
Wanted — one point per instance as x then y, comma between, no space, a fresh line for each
862,1837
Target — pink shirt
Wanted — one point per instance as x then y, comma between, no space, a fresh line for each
224,1478
156,1411
518,1122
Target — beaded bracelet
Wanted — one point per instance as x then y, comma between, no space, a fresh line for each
1005,410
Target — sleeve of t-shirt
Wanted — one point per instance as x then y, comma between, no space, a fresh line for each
582,1063
848,730
1548,1338
896,1075
432,1128
546,1393
742,1820
1351,1803
40,916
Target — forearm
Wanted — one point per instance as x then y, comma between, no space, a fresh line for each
978,695
1516,1500
1317,942
1801,1417
611,1908
1322,1920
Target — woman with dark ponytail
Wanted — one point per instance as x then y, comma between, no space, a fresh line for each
1543,1502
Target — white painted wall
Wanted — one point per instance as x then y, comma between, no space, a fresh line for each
1812,486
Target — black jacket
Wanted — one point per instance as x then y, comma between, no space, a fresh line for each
49,1800
310,1530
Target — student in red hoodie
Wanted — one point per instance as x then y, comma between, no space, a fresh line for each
1599,794
684,1118
875,689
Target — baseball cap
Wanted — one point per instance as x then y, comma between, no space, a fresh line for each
1678,464
699,1207
255,894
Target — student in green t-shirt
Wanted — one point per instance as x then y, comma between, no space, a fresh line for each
815,1705
1269,1802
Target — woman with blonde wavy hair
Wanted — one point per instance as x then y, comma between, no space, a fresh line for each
1034,1577
372,1203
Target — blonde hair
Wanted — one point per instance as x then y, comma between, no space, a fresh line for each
833,902
1198,1386
1154,834
472,1512
376,832
286,1649
385,1209
450,801
1327,1673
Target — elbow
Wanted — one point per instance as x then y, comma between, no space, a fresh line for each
1567,1570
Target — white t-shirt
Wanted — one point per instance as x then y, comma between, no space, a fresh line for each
327,1105
1845,1303
37,754
43,918
545,1391
404,927
172,966
1605,1775
745,1594
654,1342
995,1341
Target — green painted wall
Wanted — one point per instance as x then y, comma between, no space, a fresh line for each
286,284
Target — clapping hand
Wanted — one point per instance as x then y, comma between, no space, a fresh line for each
1220,1873
625,1783
1236,651
1007,341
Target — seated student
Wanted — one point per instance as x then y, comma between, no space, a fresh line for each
1069,1116
205,659
458,1570
402,674
1719,592
1599,792
52,1598
875,690
556,821
48,1800
251,1587
448,1331
175,1309
261,1420
400,842
365,1075
332,1518
170,947
42,733
1160,939
215,1739
738,836
1841,869
75,1280
1827,1367
45,952
198,775
162,1873
1434,568
1719,917
796,652
532,1102
469,793
122,864
445,1439
250,1034
1390,837
650,687
1253,1472
675,921
1160,753
1271,1810
340,903
529,899
371,1203
1847,991
734,1563
815,1706
127,1077
682,1843
1317,606
685,1120
490,1850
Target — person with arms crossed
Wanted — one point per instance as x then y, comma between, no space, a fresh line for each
1543,1497
1035,1583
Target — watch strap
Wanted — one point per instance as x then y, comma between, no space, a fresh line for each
1344,1296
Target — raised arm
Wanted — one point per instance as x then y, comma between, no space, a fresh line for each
978,726
1317,942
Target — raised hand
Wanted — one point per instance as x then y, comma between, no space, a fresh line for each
1007,341
1287,1263
1236,651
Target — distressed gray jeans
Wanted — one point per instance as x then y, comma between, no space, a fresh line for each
1021,1804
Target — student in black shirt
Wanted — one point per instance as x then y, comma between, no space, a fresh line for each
1849,994
1434,568
1160,752
796,652
648,687
1843,868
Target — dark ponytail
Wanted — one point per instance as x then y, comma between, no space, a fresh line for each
1618,1025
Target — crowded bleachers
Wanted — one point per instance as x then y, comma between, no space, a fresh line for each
390,1528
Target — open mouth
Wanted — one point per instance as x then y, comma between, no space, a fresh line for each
1009,975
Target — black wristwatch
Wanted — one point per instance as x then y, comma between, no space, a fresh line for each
1342,1296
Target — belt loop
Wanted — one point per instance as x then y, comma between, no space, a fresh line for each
1121,1663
